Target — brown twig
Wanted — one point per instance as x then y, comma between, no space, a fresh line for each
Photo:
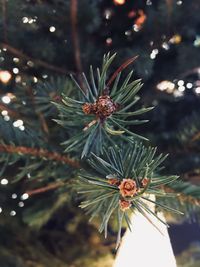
45,188
39,62
75,40
39,153
121,68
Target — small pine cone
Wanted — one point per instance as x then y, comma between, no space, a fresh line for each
114,181
124,204
128,188
144,182
87,108
105,106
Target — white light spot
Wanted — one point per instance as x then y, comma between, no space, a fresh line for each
16,59
197,90
165,46
181,88
22,128
52,29
44,76
136,28
154,53
6,118
18,79
4,181
35,79
6,99
4,112
12,213
25,20
15,70
30,63
21,204
189,85
179,3
177,93
0,210
166,86
127,33
30,21
24,196
18,123
14,196
148,3
180,83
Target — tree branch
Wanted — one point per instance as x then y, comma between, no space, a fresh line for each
39,62
40,153
45,188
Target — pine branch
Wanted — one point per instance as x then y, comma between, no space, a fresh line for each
38,62
45,188
39,153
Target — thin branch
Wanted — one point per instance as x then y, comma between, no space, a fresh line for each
39,62
45,188
122,67
39,153
75,40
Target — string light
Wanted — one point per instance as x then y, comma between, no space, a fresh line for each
21,204
180,83
5,76
197,90
4,181
4,112
189,85
197,41
14,196
30,63
148,3
17,123
16,59
154,53
119,2
165,45
1,210
6,99
109,41
167,86
24,196
52,29
12,213
6,118
179,3
108,13
15,70
181,88
176,39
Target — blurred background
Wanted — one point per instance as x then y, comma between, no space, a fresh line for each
41,43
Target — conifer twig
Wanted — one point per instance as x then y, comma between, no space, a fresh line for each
45,188
39,153
39,62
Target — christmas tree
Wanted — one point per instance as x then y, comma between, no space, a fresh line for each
79,129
